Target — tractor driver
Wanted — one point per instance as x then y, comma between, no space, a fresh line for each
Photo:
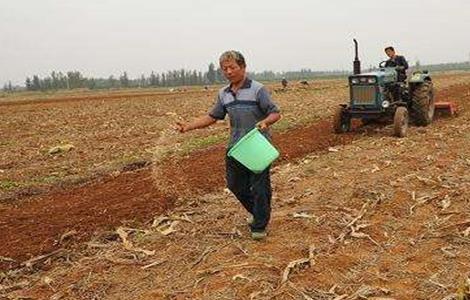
397,61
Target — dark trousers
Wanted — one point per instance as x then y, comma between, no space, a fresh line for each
252,190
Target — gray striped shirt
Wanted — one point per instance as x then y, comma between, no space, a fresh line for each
245,108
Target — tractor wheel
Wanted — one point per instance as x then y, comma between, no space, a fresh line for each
423,104
341,122
400,122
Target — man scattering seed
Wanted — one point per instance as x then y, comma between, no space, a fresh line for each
248,104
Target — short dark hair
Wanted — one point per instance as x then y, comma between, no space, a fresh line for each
390,48
235,55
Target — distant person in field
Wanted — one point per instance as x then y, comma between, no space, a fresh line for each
397,61
284,83
248,104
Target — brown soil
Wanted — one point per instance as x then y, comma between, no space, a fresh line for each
34,226
412,261
94,97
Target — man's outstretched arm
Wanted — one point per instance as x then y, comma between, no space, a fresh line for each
201,122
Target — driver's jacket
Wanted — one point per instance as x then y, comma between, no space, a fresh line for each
398,61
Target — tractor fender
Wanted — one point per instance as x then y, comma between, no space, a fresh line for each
419,77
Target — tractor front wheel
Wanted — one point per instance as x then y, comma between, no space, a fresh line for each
341,121
400,122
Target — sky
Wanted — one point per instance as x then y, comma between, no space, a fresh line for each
107,37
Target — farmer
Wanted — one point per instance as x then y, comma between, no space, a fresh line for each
284,83
397,61
248,104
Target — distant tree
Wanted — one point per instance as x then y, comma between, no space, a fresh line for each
75,79
157,80
61,81
183,75
111,81
36,83
91,83
200,78
143,81
124,80
55,80
46,84
211,74
153,79
173,78
219,75
170,78
193,78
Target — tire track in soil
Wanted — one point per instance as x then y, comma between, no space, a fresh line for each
34,226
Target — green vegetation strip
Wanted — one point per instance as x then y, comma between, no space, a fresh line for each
6,185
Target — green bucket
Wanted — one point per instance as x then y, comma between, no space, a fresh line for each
254,151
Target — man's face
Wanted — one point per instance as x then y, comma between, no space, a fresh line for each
390,53
232,71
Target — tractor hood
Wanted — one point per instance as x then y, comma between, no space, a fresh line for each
383,75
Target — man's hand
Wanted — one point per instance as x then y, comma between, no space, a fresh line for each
272,118
202,122
181,127
262,126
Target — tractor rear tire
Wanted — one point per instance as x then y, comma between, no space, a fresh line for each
423,104
341,122
400,122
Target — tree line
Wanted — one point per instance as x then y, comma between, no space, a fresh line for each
182,77
75,80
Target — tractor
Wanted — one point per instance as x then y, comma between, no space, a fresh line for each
379,95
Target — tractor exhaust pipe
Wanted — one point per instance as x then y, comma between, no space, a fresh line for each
357,62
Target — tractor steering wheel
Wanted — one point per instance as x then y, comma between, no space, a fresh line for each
382,64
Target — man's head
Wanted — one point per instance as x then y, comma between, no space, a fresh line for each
390,51
233,65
